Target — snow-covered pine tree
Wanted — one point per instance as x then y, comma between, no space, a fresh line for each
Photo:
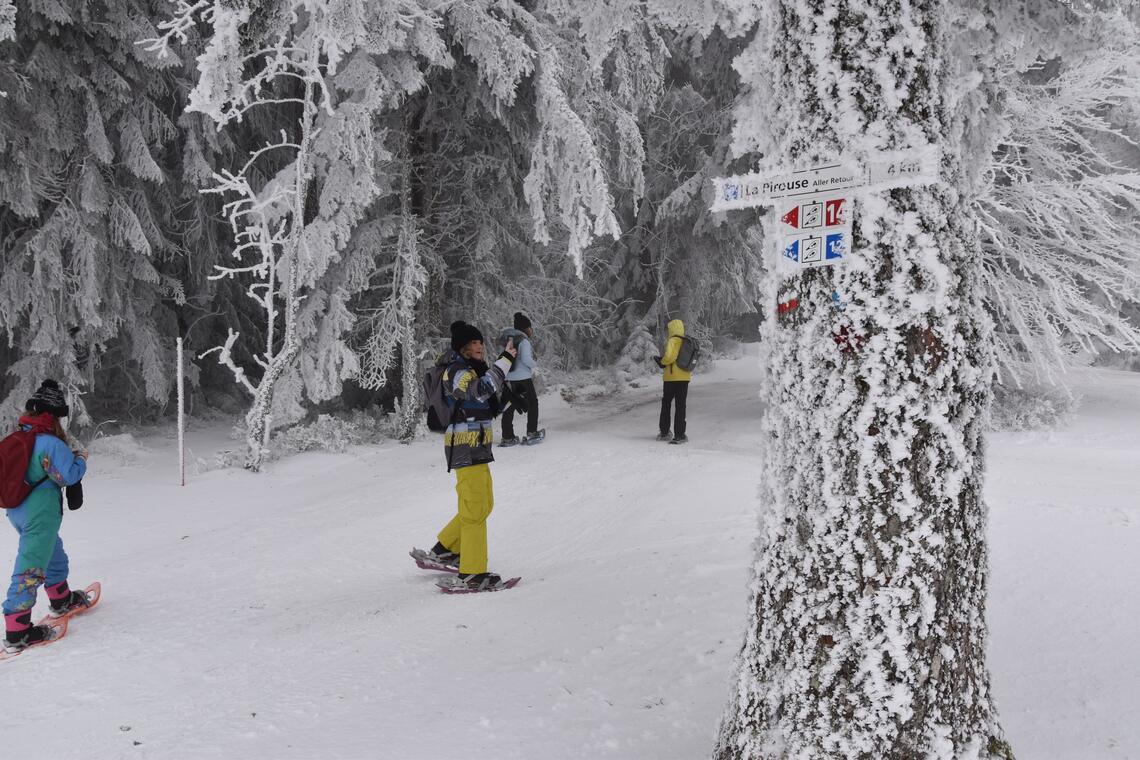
668,83
394,325
866,635
506,146
314,66
88,192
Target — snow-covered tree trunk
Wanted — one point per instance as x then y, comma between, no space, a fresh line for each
412,278
272,224
394,326
866,635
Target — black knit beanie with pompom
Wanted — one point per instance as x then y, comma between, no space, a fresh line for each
463,333
48,398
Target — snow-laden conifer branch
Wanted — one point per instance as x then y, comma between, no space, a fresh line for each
483,29
7,22
1060,214
327,68
566,166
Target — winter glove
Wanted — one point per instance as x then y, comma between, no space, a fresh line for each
657,360
74,496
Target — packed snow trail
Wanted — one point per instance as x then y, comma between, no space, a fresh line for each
279,615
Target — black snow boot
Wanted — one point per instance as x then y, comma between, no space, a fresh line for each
480,581
74,600
439,553
20,634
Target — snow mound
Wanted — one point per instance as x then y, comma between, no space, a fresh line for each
122,449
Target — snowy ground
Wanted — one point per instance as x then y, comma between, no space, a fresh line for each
278,616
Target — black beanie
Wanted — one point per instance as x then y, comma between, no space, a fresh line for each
463,333
521,322
48,398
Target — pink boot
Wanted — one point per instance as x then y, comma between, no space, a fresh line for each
20,633
63,600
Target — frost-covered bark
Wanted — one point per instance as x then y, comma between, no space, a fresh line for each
866,635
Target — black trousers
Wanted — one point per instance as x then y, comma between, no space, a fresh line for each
523,399
675,391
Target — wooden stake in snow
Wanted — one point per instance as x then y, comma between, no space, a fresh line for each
181,418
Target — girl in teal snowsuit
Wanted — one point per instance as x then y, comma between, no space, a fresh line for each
41,558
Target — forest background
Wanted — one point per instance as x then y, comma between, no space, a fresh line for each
308,193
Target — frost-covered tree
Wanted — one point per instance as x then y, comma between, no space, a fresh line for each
1060,211
866,635
7,20
324,69
392,327
703,268
509,179
89,190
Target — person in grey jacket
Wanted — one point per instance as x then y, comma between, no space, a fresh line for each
520,385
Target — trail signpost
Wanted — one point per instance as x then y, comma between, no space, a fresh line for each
815,230
814,207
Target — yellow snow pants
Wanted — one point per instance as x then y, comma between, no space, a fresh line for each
466,534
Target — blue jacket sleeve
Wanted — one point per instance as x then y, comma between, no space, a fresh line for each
58,461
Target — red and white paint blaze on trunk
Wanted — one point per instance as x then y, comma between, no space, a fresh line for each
866,635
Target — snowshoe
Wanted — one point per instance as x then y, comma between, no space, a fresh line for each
680,439
33,636
475,584
533,439
76,600
444,562
508,442
76,603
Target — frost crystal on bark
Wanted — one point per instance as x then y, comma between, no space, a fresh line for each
866,633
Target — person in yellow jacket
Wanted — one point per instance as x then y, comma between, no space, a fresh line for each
675,387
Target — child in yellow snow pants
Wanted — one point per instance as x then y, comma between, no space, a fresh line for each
466,534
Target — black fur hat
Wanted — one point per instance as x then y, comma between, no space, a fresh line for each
48,398
463,333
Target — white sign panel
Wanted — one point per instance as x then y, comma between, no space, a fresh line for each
886,170
814,206
752,190
904,168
